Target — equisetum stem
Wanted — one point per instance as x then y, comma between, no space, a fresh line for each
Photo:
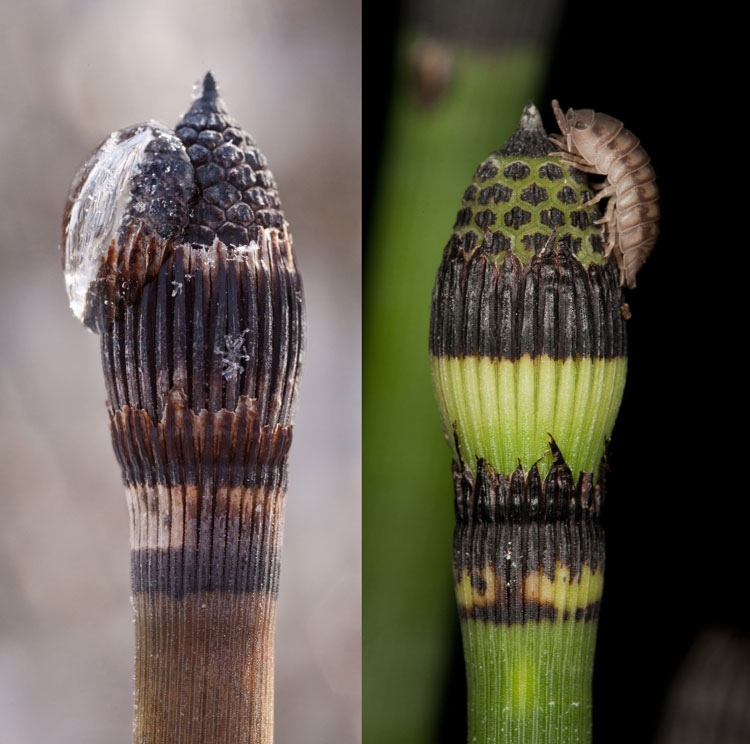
204,656
529,559
186,272
528,353
205,567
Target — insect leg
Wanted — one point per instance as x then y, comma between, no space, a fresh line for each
610,219
621,267
568,158
559,140
608,214
607,189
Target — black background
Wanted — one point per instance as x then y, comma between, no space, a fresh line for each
675,514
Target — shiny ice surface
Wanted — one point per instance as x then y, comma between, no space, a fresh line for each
99,197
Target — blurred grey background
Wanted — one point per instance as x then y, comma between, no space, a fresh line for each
71,72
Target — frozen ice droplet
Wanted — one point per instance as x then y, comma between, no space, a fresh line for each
99,199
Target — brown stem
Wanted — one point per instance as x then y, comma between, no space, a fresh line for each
204,646
206,498
177,253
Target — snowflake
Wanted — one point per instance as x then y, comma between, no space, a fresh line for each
233,354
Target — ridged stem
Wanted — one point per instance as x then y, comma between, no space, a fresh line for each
528,348
528,564
177,253
204,646
206,498
517,689
206,490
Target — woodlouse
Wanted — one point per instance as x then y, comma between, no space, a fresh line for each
598,143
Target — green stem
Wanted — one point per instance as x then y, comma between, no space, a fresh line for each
528,567
529,683
528,360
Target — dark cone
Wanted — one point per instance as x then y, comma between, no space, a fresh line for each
236,193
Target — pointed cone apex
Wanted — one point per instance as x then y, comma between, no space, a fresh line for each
209,100
209,85
530,138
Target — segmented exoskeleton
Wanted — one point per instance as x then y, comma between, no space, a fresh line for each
598,143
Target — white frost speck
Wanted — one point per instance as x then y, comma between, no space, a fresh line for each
252,247
242,252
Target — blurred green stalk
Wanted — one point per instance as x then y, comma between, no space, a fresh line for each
409,605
